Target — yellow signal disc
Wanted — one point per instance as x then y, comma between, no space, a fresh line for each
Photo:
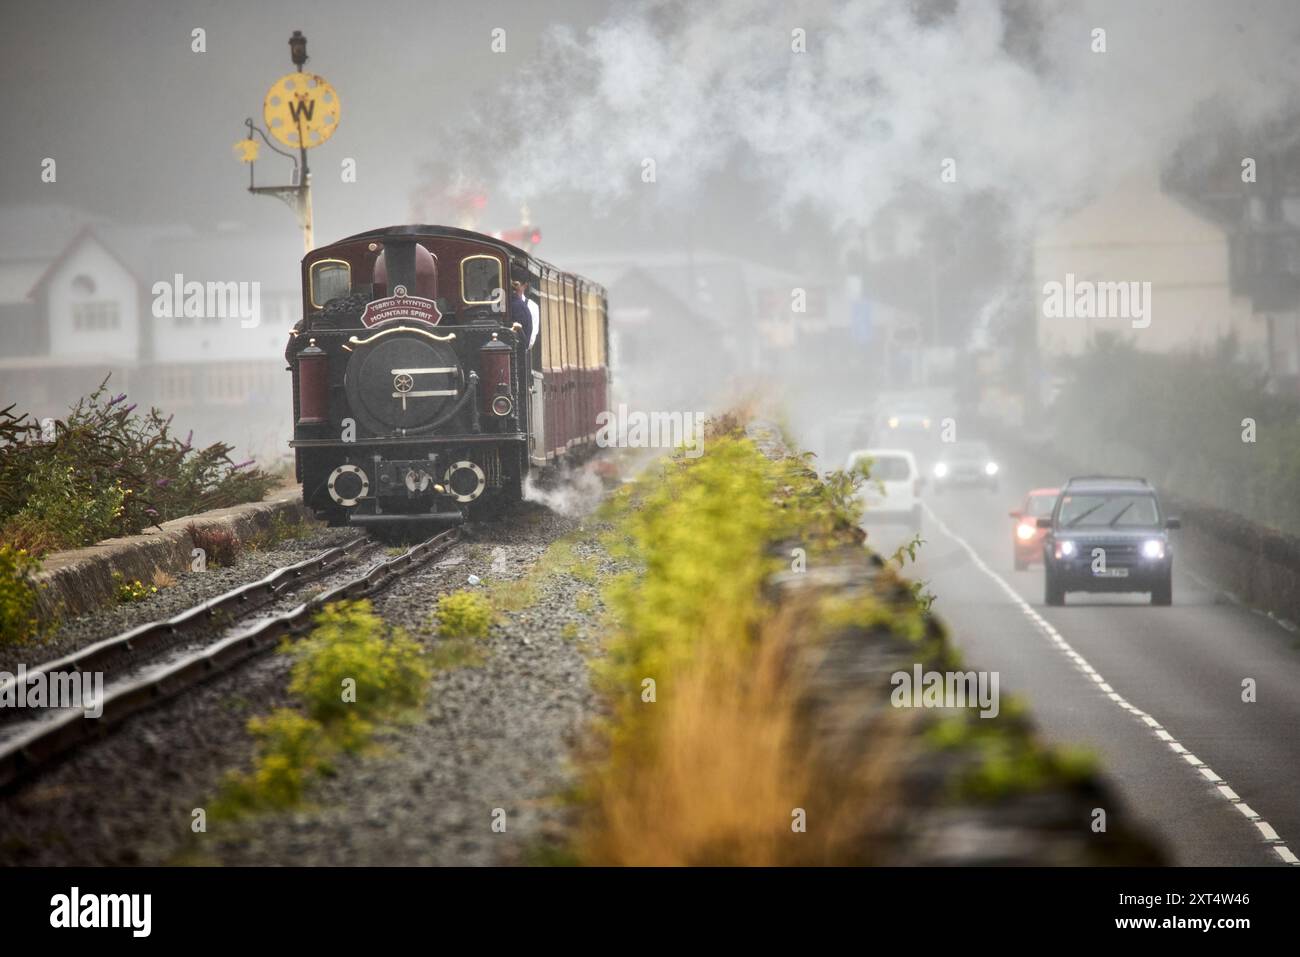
301,109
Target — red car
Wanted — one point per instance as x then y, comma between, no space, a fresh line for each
1027,537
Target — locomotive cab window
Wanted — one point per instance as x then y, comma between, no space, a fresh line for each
330,278
480,279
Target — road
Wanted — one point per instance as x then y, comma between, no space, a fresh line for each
1156,693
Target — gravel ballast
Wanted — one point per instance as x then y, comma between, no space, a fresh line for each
190,588
493,735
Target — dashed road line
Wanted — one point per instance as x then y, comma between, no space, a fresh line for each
1046,628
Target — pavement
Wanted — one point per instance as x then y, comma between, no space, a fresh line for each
1155,693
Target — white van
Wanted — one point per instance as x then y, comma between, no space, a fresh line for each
892,490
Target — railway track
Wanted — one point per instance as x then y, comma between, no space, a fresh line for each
151,663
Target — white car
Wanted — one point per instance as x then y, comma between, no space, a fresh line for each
892,489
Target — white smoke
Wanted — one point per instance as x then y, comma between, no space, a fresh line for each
885,92
573,492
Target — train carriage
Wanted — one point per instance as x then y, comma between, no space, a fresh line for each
416,397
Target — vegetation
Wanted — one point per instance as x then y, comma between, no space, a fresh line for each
560,560
104,470
707,755
220,546
350,673
129,592
464,614
1178,419
1005,758
19,621
350,643
280,529
704,756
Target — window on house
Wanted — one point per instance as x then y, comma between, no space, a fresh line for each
84,285
95,316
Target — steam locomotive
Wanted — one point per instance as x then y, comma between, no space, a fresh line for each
416,398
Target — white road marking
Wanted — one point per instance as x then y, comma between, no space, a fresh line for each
1046,628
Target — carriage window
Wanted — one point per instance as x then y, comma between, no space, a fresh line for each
480,278
330,278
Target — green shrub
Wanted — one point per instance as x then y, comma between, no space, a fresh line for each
105,470
464,614
65,506
280,529
700,534
18,619
351,643
350,671
290,748
132,591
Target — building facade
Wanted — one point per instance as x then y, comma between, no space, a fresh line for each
192,323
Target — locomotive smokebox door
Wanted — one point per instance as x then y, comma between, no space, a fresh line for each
402,382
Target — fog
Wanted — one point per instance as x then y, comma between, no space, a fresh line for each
905,168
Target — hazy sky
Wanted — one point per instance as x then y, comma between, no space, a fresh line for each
142,128
786,155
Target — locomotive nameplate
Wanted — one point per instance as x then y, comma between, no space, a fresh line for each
401,306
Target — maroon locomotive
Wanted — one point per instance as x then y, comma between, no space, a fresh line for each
416,395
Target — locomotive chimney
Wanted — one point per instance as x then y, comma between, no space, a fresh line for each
400,260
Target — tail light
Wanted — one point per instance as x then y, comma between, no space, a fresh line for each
916,487
313,385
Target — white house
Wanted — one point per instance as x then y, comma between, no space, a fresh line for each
1139,252
192,323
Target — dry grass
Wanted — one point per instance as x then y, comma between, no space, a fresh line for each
724,758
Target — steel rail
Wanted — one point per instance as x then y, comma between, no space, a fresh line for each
53,737
153,635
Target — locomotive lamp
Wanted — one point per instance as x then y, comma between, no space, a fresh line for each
298,49
313,385
496,361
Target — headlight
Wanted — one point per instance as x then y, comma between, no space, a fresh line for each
1065,549
893,421
1025,532
940,470
991,468
925,423
1153,548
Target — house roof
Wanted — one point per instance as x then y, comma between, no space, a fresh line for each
39,232
152,253
1137,211
716,287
